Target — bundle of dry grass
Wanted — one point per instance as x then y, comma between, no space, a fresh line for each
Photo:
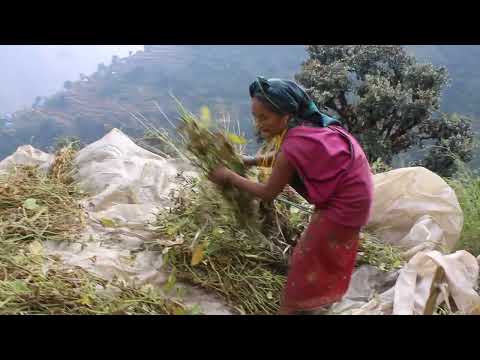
216,252
209,147
206,144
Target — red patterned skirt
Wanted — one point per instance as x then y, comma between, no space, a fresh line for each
321,266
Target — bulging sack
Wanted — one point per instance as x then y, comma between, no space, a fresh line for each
416,209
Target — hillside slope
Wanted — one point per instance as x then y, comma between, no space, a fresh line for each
28,71
217,76
463,93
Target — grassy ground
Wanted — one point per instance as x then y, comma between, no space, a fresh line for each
467,188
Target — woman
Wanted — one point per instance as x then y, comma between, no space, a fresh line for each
328,167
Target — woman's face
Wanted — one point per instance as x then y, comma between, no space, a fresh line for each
269,123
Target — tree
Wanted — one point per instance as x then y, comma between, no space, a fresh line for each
386,99
67,85
454,140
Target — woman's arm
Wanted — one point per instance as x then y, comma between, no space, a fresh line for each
282,173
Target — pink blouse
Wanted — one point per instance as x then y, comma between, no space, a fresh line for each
334,170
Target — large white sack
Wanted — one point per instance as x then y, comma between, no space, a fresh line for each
416,209
412,289
27,155
128,183
415,281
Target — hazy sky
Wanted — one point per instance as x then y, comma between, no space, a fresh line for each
27,71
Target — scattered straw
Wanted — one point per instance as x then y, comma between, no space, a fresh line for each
239,263
35,207
29,286
376,253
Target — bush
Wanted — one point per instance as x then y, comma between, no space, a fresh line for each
467,187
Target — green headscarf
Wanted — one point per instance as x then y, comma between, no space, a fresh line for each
286,97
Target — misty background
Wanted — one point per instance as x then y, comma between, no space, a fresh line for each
28,71
137,76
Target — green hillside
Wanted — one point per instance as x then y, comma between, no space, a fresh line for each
217,76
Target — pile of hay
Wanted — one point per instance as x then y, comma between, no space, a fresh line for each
35,207
239,263
244,265
32,283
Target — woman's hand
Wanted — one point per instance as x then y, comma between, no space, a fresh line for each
282,172
220,175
